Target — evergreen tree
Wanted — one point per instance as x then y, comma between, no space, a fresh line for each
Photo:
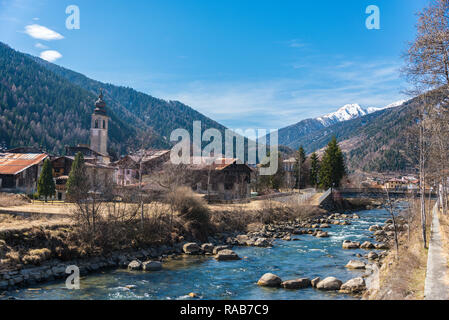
46,185
332,167
314,169
78,182
275,181
298,167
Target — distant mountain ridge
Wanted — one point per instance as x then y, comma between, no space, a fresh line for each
290,136
46,106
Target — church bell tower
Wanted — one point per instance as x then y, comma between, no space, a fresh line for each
99,127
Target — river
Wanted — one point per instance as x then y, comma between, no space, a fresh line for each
309,257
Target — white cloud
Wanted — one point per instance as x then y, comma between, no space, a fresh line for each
40,46
50,55
284,101
295,43
40,32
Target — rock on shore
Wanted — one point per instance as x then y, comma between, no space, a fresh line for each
329,284
151,266
191,248
355,285
355,264
135,265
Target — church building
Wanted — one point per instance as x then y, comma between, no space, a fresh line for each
98,149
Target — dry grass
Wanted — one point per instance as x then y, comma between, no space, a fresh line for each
10,199
17,222
36,256
444,228
404,278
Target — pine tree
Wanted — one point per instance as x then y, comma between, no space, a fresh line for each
77,184
314,169
46,185
332,168
298,167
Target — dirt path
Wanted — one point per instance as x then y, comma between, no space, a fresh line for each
436,287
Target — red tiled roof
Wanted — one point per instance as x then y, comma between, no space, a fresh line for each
14,163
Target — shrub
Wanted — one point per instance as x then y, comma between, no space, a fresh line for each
36,256
189,206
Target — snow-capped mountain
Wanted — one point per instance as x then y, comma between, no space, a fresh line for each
290,135
391,105
347,112
352,111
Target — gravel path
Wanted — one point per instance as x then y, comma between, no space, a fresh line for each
436,287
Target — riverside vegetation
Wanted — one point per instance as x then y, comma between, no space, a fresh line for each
42,254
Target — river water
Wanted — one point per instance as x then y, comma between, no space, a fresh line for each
309,257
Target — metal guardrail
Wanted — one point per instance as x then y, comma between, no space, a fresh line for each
325,195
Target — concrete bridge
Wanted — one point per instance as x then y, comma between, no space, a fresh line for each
327,198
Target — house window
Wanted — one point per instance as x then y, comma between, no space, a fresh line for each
96,124
104,124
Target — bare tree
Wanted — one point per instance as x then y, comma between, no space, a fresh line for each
393,217
427,69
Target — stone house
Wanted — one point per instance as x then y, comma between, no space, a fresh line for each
222,179
98,173
127,168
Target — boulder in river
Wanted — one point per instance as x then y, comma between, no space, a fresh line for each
207,247
191,248
373,256
322,234
355,264
315,281
262,242
355,285
226,255
269,280
348,244
324,226
219,248
152,266
381,246
374,228
329,283
367,245
135,265
297,283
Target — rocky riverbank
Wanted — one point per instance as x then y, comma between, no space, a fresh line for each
151,259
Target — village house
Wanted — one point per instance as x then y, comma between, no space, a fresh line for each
220,178
127,168
19,172
97,172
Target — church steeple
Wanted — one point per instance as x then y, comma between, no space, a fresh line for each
99,127
100,105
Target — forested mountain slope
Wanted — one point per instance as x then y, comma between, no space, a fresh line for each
47,106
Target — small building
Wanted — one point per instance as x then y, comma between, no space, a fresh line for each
128,167
221,179
99,173
395,184
19,172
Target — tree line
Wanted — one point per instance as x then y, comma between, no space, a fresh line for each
310,171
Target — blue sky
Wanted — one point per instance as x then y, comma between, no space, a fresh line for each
244,63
